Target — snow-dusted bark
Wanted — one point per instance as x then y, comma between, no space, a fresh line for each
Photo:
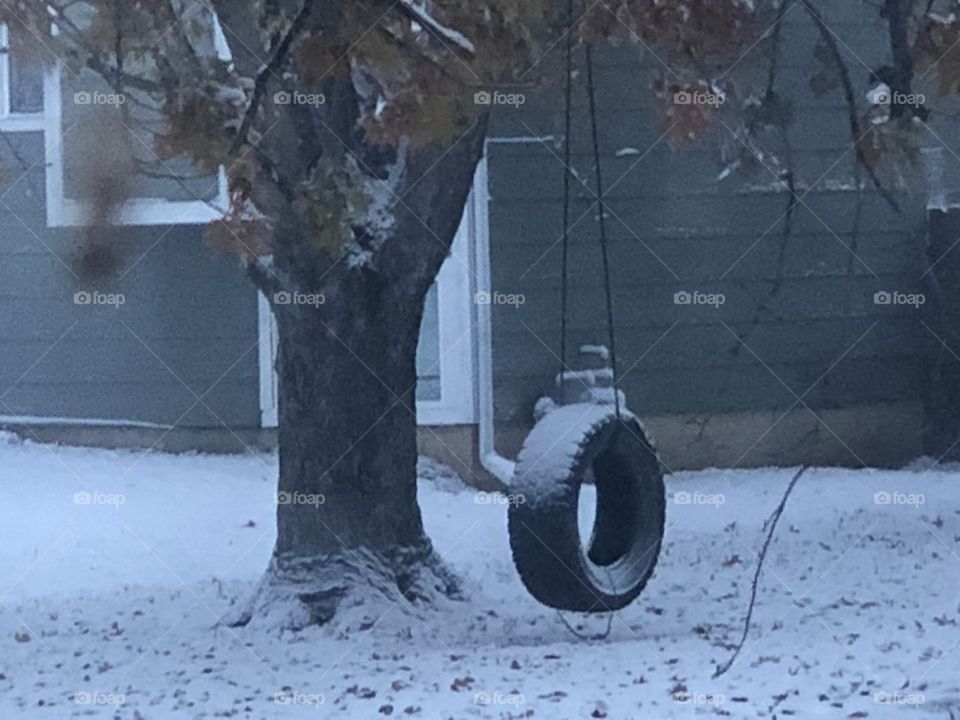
422,13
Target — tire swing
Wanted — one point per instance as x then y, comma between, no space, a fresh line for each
578,442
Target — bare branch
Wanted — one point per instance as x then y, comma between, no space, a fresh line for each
850,97
272,67
418,13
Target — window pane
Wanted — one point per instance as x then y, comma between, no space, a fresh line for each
26,72
428,350
128,130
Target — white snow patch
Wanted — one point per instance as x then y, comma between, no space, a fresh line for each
879,95
378,216
858,601
10,420
524,140
550,448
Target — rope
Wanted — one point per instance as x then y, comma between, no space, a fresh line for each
566,191
564,263
603,231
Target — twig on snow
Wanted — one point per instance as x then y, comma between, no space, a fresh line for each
771,526
581,636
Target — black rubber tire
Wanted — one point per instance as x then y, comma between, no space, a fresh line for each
542,520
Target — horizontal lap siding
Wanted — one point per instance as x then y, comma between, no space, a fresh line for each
799,319
187,328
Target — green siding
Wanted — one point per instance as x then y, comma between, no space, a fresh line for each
800,305
192,307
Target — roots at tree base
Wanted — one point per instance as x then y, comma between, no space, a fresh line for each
297,592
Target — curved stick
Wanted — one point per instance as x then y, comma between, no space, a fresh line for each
772,523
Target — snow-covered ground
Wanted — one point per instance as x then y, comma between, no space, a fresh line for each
114,568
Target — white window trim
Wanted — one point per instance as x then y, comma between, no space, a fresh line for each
456,312
4,72
12,121
456,324
66,212
267,358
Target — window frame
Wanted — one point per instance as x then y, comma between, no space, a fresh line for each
11,121
63,211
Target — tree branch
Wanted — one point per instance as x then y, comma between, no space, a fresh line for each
851,105
427,219
897,22
418,14
273,65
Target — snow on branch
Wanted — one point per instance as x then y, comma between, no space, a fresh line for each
420,14
383,195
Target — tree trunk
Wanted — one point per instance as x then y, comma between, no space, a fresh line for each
349,530
348,522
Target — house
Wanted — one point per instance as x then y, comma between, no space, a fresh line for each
797,358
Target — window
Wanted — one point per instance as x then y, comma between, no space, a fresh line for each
25,75
163,192
21,82
445,388
428,351
38,95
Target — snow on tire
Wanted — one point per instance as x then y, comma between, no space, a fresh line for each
558,453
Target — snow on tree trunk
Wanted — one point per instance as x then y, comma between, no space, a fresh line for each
348,525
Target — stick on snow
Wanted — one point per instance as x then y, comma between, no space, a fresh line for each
772,526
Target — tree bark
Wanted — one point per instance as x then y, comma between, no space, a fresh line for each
347,423
348,521
898,19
